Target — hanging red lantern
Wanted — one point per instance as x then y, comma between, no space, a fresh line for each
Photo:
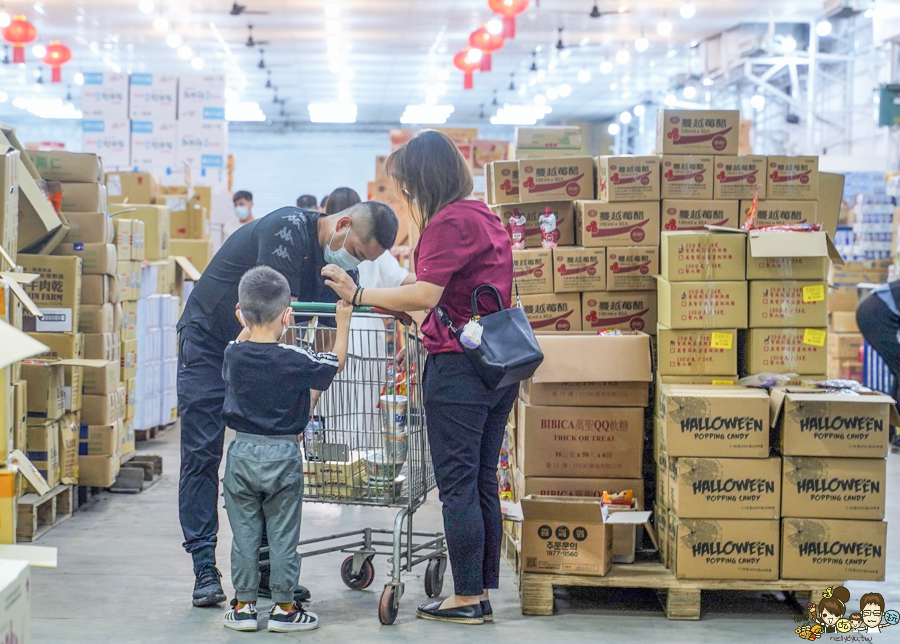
488,43
508,9
19,33
57,56
467,64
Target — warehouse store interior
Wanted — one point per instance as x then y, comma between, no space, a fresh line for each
400,320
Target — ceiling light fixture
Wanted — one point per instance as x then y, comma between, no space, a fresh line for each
565,90
426,114
823,28
533,61
606,67
334,66
39,51
552,93
197,63
519,115
687,10
613,129
238,111
146,6
708,82
622,56
870,13
333,27
346,74
626,78
494,27
474,56
4,97
789,44
641,44
332,112
540,100
639,110
79,78
173,41
5,19
757,102
161,23
690,92
670,100
332,10
613,87
664,27
625,117
185,52
559,41
443,74
584,76
512,82
552,65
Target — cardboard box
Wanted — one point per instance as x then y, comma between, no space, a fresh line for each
697,214
20,415
68,449
800,351
780,213
66,346
571,536
692,352
132,187
83,197
541,142
632,269
533,271
724,548
102,346
576,442
845,369
565,220
89,228
702,305
9,202
57,291
138,235
585,394
504,182
198,251
739,177
98,471
780,255
43,449
831,549
129,320
628,178
554,312
828,208
628,310
101,378
130,397
794,178
845,345
578,488
46,394
787,268
156,224
97,318
697,131
124,229
97,259
98,440
706,420
814,423
556,178
834,488
725,488
788,303
124,276
843,322
633,223
687,256
687,176
577,269
58,165
99,289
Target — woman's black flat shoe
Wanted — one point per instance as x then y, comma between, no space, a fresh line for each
459,615
487,611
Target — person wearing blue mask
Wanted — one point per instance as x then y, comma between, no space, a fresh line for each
298,244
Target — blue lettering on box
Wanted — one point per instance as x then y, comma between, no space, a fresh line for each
212,161
142,127
93,78
94,126
78,246
214,113
142,79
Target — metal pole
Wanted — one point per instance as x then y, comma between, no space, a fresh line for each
811,88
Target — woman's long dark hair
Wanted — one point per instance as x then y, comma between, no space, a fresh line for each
431,174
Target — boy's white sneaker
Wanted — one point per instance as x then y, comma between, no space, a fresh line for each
291,621
241,619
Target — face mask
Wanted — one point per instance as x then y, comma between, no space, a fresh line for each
242,212
341,257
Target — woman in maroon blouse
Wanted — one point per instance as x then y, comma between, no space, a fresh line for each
462,246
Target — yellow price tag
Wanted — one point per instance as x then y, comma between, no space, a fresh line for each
813,293
723,382
719,340
815,337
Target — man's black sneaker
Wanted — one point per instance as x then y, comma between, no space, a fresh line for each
296,619
208,587
241,619
301,594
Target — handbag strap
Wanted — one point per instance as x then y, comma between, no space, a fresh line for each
444,318
485,289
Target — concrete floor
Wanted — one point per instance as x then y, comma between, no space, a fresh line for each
123,578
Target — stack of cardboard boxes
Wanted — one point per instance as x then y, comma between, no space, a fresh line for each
189,211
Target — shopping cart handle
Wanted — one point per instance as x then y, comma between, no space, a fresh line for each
322,307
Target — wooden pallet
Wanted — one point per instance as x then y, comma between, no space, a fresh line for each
139,473
38,514
682,595
85,496
154,432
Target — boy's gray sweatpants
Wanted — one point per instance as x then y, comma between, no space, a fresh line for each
264,487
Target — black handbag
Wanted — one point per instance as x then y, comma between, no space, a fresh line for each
509,352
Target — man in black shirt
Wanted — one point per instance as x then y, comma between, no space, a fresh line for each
298,244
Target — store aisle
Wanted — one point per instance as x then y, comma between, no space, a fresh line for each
123,578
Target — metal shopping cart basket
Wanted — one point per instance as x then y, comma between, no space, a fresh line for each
367,445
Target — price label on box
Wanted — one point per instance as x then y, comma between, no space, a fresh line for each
813,293
720,340
815,337
723,382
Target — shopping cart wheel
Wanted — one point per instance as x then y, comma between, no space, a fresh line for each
388,606
434,577
363,579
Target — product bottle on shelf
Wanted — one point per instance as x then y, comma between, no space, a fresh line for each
517,230
549,232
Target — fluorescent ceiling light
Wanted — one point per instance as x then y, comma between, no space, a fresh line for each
622,57
332,10
639,110
823,28
584,76
346,74
758,101
565,90
4,19
238,111
197,63
146,6
519,115
540,100
690,92
426,114
173,41
641,44
48,108
332,112
495,27
4,97
161,24
552,93
625,117
39,51
664,28
687,10
613,129
606,67
185,52
443,74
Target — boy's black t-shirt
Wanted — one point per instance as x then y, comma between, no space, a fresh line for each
267,386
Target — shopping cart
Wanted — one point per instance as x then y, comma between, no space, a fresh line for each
367,445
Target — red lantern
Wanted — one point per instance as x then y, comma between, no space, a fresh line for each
488,43
57,56
466,66
19,33
509,9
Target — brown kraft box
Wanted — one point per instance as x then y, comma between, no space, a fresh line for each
504,178
725,488
738,177
795,178
565,220
696,214
534,271
697,131
632,269
628,178
580,442
702,256
702,305
686,176
800,351
832,549
558,178
553,313
690,352
632,223
624,310
834,488
724,548
565,537
577,269
780,212
579,488
844,345
788,303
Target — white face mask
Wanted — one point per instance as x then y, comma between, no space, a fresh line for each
340,257
285,323
242,212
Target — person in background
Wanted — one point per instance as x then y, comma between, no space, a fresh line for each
878,319
243,210
322,204
341,199
308,202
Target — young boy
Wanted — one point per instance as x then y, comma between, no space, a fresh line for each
267,402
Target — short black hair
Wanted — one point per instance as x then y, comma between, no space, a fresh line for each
264,294
378,221
341,199
308,202
246,195
324,199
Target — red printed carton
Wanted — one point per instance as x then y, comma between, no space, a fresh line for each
632,223
697,214
627,178
559,178
697,131
687,176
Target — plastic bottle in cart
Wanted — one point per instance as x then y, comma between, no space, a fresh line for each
549,231
517,223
